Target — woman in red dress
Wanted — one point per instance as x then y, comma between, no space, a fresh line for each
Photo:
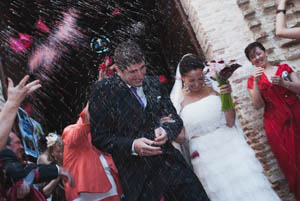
275,88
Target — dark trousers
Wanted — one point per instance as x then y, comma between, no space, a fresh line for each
186,192
192,191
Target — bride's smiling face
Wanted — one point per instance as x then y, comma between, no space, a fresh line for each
194,80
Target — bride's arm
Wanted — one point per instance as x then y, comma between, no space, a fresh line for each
181,137
230,117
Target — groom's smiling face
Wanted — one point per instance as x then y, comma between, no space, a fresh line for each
134,74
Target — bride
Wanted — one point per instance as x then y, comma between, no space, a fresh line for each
217,150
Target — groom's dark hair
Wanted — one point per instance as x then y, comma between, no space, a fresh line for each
189,63
126,54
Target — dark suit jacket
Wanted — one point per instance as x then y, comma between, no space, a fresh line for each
117,118
17,171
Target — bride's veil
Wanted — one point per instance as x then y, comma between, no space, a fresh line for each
176,93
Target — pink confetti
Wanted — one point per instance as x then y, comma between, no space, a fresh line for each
40,25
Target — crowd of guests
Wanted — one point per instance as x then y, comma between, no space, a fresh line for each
122,146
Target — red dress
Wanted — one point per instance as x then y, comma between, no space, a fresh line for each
282,125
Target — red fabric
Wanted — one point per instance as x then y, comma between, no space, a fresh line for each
36,175
34,195
81,158
282,125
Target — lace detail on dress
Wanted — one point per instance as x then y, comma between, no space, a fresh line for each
203,116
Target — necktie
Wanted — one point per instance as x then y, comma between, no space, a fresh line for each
133,90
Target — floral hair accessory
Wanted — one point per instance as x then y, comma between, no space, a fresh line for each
51,139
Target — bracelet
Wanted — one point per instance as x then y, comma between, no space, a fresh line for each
281,11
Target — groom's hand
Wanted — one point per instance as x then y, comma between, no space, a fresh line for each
143,147
161,136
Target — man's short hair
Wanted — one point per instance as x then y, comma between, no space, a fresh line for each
126,54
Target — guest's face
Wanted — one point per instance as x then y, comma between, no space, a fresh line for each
194,80
58,153
134,74
258,57
16,145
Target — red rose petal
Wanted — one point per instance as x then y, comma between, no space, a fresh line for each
40,25
110,72
195,154
162,79
116,11
108,60
102,67
16,44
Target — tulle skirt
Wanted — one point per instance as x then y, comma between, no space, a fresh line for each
228,169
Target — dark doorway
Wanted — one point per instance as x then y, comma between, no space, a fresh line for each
67,64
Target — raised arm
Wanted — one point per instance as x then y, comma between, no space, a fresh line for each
255,94
76,133
281,27
15,97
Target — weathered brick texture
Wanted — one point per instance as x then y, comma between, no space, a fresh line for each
224,29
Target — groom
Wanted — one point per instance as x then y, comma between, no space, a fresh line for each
125,113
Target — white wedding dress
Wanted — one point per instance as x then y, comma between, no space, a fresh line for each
226,165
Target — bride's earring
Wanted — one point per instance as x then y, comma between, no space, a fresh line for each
186,88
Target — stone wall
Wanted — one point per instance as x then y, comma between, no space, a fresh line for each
224,29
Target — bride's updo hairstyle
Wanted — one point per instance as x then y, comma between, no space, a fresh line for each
190,62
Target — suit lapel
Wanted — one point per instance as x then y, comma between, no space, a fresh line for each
129,99
152,94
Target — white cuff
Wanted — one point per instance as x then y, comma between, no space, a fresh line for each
132,149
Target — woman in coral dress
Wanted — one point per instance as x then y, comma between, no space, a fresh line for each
95,175
275,88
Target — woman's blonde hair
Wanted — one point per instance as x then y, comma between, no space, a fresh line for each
52,140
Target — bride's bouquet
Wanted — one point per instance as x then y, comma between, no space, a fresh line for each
221,71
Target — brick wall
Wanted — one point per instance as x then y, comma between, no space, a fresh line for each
224,29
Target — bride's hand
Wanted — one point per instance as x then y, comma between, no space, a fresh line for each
167,119
225,89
